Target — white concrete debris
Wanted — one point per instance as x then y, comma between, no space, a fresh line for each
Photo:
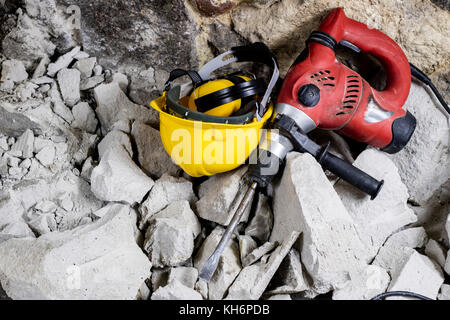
261,224
417,274
229,264
62,62
113,105
169,239
258,253
47,155
92,82
25,144
121,80
152,156
289,277
115,139
41,68
280,297
436,252
447,262
220,196
85,66
331,250
96,261
118,178
160,277
444,293
43,223
254,279
377,219
13,71
202,288
166,190
84,117
18,229
69,84
81,55
186,275
98,69
370,282
423,163
399,247
246,245
175,290
63,111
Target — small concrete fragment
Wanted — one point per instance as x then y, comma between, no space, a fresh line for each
14,71
41,67
62,62
258,253
229,264
254,279
69,84
96,261
47,155
261,224
166,190
377,219
399,247
18,229
92,82
246,246
331,249
436,252
169,239
118,178
160,277
220,196
151,153
121,80
186,275
444,293
25,144
417,274
115,139
175,290
289,277
280,297
85,66
113,105
84,117
63,111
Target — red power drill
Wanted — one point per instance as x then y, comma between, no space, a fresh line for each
321,92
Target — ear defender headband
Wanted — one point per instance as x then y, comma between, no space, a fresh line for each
242,89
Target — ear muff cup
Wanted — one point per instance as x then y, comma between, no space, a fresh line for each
224,97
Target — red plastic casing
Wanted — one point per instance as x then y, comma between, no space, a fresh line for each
344,95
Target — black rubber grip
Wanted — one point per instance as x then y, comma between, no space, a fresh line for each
351,174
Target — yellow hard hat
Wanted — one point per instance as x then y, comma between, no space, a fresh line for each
214,128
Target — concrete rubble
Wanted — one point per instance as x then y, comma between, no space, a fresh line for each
93,207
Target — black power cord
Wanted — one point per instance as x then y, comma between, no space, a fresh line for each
417,73
400,294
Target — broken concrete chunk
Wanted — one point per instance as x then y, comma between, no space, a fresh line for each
418,274
63,111
202,287
160,277
142,86
91,82
254,279
121,80
377,219
246,246
151,153
331,247
257,254
166,190
289,277
447,263
115,139
13,70
444,293
25,144
175,290
85,66
98,69
399,247
43,224
84,117
423,163
186,275
87,168
118,178
280,297
41,67
62,62
169,239
18,229
96,261
69,84
47,155
436,252
261,224
229,264
81,55
113,105
220,196
372,281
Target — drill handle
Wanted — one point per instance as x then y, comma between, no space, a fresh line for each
350,173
